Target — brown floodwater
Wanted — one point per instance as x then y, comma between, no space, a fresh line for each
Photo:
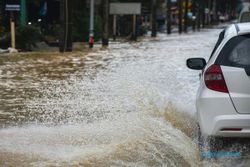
131,104
22,74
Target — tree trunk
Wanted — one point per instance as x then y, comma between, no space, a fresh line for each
180,15
186,17
169,5
199,15
66,21
203,13
214,11
194,19
153,13
105,23
1,12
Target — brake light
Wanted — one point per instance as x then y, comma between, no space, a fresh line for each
214,79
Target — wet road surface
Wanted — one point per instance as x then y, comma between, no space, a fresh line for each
129,105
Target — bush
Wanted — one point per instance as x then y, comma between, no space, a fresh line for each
53,30
98,28
27,37
4,40
1,30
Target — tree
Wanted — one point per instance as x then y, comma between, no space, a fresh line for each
105,22
1,7
180,15
169,5
186,16
194,11
153,17
1,13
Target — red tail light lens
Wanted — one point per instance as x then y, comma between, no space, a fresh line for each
214,79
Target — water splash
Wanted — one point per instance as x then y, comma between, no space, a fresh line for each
128,107
131,139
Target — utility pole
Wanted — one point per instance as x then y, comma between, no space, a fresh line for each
12,8
180,15
114,26
12,30
65,43
134,34
169,5
186,17
23,13
91,24
105,23
153,18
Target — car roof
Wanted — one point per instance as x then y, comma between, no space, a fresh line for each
238,29
229,32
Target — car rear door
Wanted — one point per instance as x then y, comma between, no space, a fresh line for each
235,64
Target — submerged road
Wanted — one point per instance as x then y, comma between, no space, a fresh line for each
132,104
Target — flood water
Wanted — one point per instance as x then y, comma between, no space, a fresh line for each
132,104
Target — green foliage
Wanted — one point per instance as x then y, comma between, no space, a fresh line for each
1,14
27,36
35,2
53,30
1,30
81,27
98,28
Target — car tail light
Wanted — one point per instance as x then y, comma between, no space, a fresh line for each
214,79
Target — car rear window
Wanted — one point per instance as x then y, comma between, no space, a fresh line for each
236,52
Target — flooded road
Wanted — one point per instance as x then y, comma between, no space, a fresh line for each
129,105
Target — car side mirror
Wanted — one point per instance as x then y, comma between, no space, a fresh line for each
196,63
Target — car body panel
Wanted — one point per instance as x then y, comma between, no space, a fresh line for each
238,83
211,104
217,111
215,114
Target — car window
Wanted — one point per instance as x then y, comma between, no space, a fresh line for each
240,54
236,52
220,39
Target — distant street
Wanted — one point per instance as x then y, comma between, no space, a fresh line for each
132,104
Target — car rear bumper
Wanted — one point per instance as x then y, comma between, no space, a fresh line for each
226,126
231,126
218,117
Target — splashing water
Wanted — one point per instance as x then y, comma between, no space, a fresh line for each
131,105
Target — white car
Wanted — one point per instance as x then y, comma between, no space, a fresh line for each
223,98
